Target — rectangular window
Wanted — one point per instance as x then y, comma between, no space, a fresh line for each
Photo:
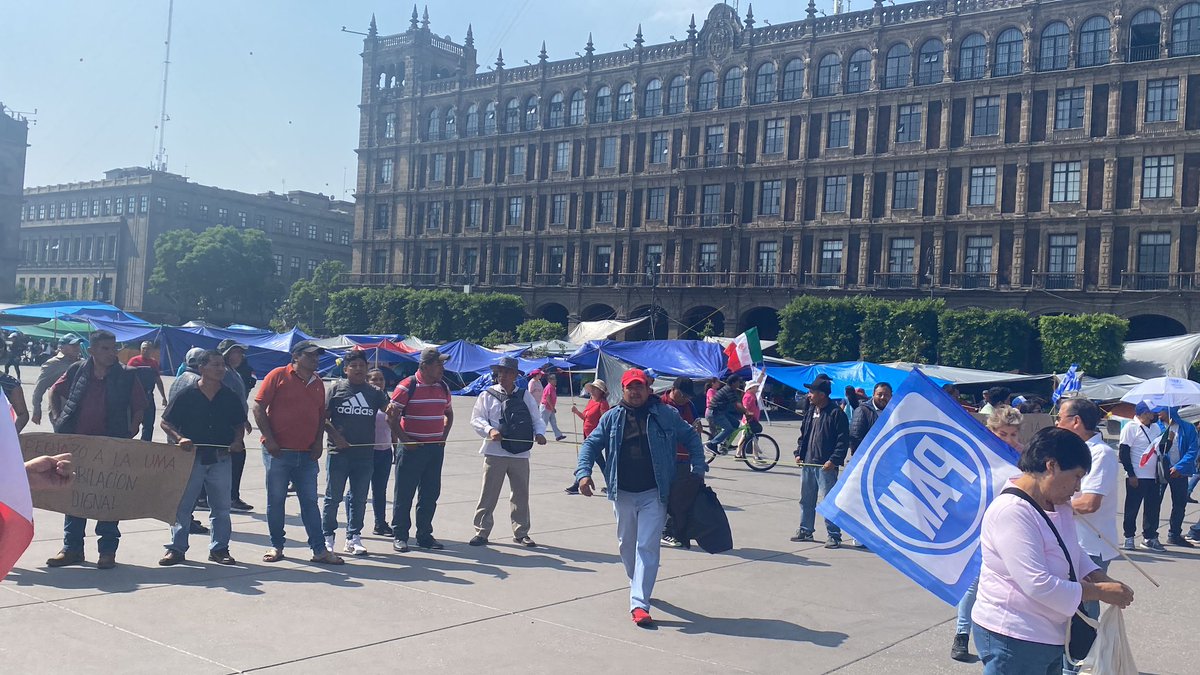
278,264
554,260
312,267
74,211
383,219
1154,253
714,144
769,197
831,257
656,203
900,256
516,160
658,147
904,190
558,209
312,232
1158,177
433,218
437,168
835,194
767,260
707,261
385,172
1061,259
389,125
222,216
379,262
839,130
982,189
344,238
908,124
604,207
773,138
260,223
710,205
276,224
241,219
1162,100
474,213
470,262
986,118
295,228
105,210
295,266
978,258
1068,108
608,152
475,164
602,260
203,210
181,207
652,262
562,156
516,210
1064,182
143,204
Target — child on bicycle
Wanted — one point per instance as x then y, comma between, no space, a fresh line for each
724,411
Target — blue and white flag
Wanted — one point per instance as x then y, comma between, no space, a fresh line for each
1070,382
916,490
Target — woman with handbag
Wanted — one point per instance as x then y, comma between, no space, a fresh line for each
1034,574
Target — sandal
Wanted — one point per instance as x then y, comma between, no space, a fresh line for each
328,558
273,555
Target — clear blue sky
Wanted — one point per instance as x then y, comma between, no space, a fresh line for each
263,93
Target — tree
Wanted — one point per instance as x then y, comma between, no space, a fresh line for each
1095,341
32,296
987,340
307,300
538,330
220,270
820,329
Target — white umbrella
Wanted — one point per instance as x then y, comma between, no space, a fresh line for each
1159,392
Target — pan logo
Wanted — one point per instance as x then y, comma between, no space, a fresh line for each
927,487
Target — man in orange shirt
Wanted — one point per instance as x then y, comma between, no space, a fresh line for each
290,411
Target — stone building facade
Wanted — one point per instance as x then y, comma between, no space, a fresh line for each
95,239
14,137
1039,155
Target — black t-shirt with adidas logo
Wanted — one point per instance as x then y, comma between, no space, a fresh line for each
352,410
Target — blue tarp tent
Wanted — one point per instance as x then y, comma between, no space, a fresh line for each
82,309
849,373
676,358
265,350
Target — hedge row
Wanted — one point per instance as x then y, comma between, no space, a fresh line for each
438,316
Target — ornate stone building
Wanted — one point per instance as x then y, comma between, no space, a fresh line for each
998,153
14,135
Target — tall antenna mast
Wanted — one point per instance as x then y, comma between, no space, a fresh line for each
160,159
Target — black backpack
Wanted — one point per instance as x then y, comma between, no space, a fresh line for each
516,423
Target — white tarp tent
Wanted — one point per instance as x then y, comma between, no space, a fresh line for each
587,331
1107,388
968,375
1161,357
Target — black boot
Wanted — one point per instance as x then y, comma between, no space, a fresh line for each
958,651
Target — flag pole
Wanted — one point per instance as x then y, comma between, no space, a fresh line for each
1119,552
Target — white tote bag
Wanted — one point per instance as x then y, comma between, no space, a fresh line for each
1110,653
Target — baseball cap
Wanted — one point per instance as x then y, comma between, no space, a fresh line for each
70,340
821,385
633,375
194,354
306,346
227,345
432,355
1142,408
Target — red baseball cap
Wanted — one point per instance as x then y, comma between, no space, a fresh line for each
634,375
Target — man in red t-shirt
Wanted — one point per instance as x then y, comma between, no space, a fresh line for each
95,397
151,378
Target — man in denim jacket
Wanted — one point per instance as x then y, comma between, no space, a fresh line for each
638,438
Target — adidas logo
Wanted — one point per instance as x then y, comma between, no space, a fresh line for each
357,405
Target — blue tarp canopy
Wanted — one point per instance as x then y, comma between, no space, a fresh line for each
465,357
125,331
849,373
676,358
83,309
265,350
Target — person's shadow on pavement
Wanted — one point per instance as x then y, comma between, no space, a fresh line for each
692,623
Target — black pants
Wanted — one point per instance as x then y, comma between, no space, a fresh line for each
14,361
239,465
1147,496
380,473
418,471
148,418
681,469
1179,495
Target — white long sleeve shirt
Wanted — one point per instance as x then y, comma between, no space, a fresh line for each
487,414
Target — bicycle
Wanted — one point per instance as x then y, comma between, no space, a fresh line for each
760,452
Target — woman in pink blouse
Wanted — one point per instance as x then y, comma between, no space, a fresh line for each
1026,595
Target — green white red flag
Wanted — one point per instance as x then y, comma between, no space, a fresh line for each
744,351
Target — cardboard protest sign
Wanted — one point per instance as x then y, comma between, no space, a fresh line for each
115,478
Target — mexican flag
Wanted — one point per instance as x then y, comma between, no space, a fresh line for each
744,350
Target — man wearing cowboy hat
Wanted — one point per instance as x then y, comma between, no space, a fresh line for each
487,418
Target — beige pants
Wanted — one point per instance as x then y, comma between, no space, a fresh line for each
494,471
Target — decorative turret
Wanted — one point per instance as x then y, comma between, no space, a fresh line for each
750,17
542,56
590,48
469,43
500,60
414,23
637,39
373,31
692,29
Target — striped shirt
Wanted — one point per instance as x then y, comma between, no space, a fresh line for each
423,407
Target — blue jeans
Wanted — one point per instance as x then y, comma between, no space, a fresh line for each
640,520
381,471
216,478
418,474
1090,608
301,469
816,482
963,625
357,465
1003,655
107,530
725,424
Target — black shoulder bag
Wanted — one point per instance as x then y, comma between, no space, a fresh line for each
1082,633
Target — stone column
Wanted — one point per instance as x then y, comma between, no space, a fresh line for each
1108,202
1106,240
864,249
1018,257
1022,186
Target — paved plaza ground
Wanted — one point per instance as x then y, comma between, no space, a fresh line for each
768,606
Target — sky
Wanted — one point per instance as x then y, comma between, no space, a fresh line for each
263,94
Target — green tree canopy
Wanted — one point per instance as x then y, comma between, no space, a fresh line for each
221,267
308,299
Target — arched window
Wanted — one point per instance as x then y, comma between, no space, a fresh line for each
1010,48
897,69
578,109
1185,30
858,72
1144,32
1054,47
1094,42
676,95
972,57
602,112
489,119
473,120
433,126
793,80
531,113
452,123
624,107
930,69
764,84
558,113
829,75
706,91
652,103
731,88
512,116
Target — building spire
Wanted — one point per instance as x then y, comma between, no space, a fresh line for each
543,56
750,16
812,9
692,29
590,48
413,23
638,40
500,60
469,43
373,30
425,18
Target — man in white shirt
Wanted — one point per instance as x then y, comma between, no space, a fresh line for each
1139,457
508,436
1096,502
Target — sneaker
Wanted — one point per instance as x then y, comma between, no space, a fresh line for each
64,558
958,650
573,490
1193,537
239,505
833,543
1192,500
478,540
671,542
329,542
400,546
221,557
1153,545
171,557
354,545
327,558
382,531
525,541
1178,540
106,561
197,527
641,617
202,504
801,535
1128,544
560,438
430,543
